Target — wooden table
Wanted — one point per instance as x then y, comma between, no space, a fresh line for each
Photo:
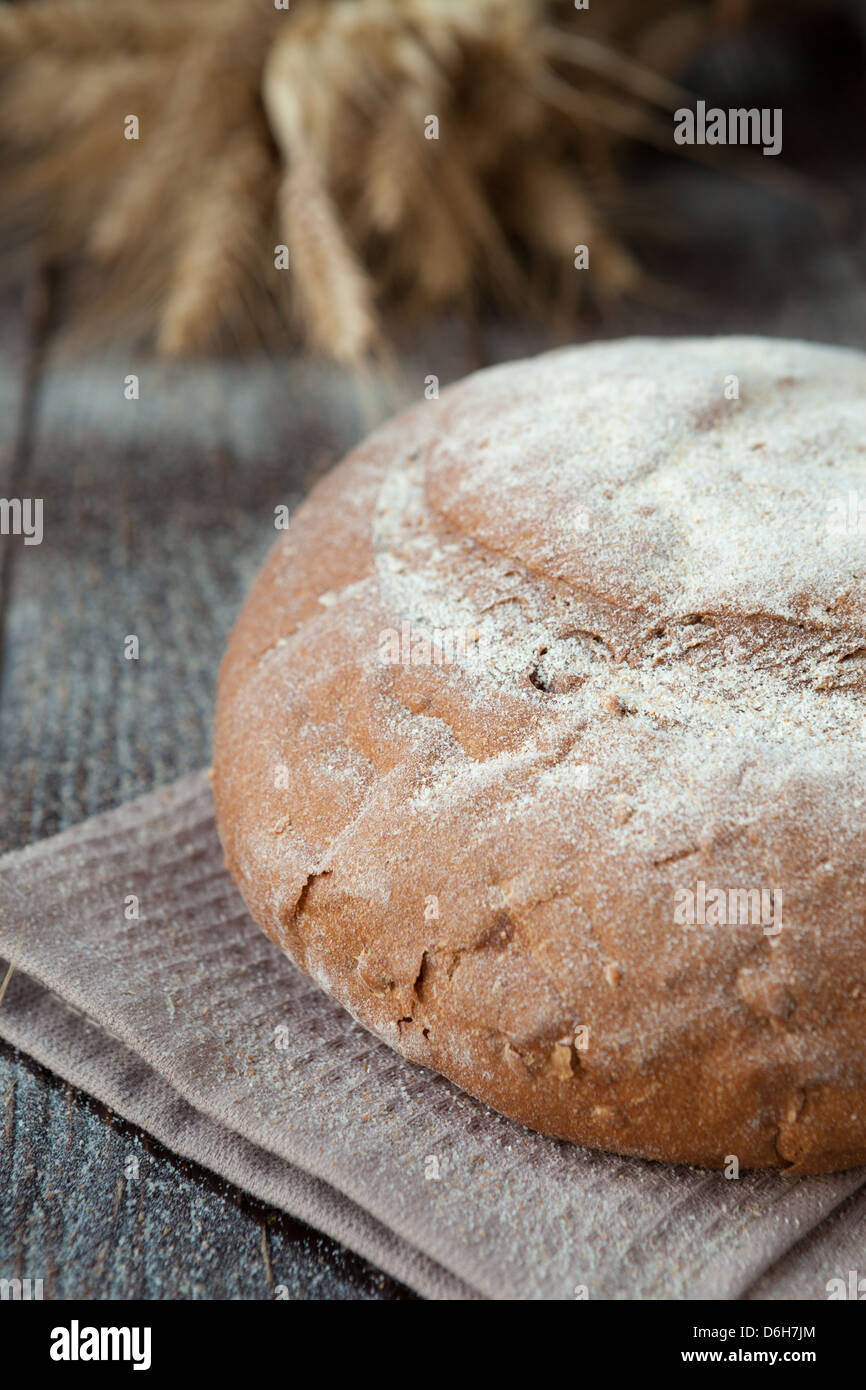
157,514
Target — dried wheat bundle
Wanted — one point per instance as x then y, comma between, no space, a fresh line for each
408,154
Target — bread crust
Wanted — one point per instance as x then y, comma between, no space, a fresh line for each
657,683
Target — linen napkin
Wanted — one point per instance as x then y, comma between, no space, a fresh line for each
140,977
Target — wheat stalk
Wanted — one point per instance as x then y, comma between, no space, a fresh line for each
221,233
308,127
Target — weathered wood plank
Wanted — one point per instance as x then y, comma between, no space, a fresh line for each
157,514
97,1209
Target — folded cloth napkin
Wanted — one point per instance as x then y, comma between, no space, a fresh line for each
187,1021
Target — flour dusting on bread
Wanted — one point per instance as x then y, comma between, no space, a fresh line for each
654,548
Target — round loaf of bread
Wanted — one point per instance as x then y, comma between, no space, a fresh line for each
541,745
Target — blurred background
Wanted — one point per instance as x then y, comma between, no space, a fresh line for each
154,259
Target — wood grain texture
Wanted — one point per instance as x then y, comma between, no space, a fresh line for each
157,515
97,1209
